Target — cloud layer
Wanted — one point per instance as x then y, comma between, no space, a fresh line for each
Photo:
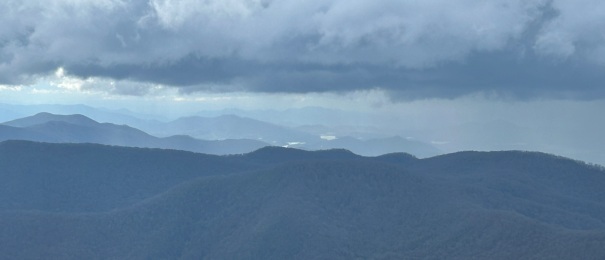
412,49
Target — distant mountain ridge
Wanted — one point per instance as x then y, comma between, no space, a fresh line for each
229,127
89,201
81,129
232,126
379,146
579,141
44,117
225,134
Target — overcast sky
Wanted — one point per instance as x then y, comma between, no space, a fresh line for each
414,49
461,61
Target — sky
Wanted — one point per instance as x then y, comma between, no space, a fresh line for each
426,64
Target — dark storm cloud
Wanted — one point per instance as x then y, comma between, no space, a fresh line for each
412,49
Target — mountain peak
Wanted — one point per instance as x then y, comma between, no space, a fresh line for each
45,117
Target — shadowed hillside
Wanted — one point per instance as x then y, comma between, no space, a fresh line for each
89,177
279,203
379,146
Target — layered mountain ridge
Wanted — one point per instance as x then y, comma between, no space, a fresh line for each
81,129
91,201
219,135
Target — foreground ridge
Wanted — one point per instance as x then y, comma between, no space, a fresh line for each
77,201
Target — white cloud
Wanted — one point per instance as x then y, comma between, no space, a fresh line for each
10,88
578,29
409,33
419,33
246,45
555,43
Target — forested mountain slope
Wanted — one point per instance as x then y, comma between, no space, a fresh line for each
280,203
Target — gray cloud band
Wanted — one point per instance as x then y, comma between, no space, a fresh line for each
412,49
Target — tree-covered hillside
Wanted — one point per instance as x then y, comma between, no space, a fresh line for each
84,201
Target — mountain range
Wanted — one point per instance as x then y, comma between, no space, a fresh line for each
90,201
226,134
581,140
81,129
377,146
229,127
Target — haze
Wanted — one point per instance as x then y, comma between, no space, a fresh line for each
464,75
316,129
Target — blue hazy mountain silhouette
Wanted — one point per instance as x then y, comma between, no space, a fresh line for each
232,126
89,201
44,117
81,129
229,127
225,134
